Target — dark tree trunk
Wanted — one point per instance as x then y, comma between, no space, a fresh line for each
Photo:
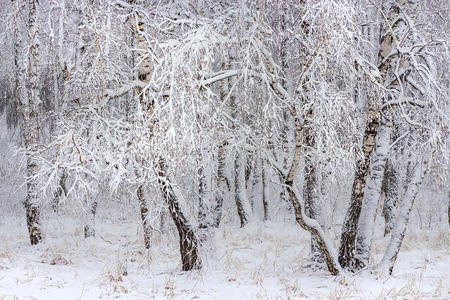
188,239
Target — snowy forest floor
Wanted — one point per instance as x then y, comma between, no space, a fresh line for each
262,261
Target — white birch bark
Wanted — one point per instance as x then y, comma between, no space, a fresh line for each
415,173
265,190
242,202
30,105
206,219
372,194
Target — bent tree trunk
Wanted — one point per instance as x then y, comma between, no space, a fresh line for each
310,225
372,195
188,239
415,174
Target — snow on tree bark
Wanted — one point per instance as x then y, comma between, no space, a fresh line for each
89,227
372,195
60,190
265,191
311,187
350,227
143,209
390,187
416,171
188,239
219,193
31,128
305,222
144,71
388,42
240,192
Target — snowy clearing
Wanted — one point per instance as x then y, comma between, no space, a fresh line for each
262,261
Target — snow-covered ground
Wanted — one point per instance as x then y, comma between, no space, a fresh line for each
262,261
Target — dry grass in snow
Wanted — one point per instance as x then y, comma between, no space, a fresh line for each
262,261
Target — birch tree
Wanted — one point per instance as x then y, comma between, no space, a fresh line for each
30,101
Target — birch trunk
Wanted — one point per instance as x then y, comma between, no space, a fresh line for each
372,195
240,192
350,227
265,191
219,193
310,225
390,188
311,188
144,71
415,174
188,239
347,249
203,211
89,227
60,190
144,212
206,217
30,106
